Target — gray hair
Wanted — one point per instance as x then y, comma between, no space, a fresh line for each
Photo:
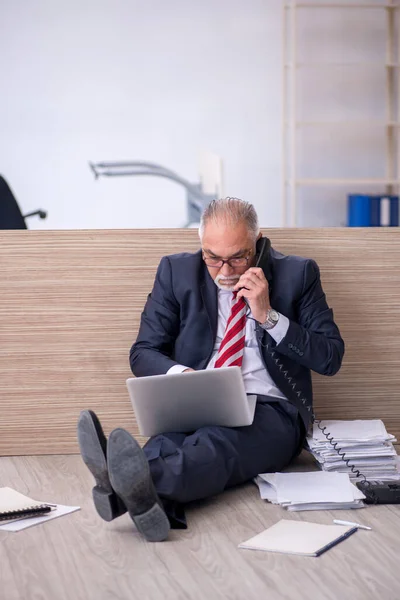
233,211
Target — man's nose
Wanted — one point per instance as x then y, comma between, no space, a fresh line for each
226,270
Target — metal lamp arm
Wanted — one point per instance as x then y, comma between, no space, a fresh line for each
146,168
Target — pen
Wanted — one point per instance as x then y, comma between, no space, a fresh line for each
334,542
338,522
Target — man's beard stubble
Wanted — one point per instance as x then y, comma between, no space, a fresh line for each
230,281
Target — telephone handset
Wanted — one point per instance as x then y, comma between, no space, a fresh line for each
263,248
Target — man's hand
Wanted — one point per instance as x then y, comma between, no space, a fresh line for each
187,370
253,286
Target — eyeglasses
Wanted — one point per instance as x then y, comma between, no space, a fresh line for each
234,263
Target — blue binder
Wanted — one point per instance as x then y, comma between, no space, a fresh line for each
394,211
358,210
374,211
365,210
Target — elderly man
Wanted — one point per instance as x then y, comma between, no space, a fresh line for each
209,309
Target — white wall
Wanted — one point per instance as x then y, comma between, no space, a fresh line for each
153,80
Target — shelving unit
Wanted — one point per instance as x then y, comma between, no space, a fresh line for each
293,68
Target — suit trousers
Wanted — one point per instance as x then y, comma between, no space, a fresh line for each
191,466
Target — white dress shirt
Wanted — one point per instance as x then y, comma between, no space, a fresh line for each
255,376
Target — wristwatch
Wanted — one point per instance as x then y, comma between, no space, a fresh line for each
271,320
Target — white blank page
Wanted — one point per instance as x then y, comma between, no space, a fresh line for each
318,486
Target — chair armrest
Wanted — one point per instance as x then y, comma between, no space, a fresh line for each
42,214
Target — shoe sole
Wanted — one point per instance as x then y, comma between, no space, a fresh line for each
94,458
130,477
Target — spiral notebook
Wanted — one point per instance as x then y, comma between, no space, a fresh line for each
14,505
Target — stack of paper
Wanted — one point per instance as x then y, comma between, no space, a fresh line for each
365,444
314,490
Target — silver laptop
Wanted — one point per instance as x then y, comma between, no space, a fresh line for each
183,402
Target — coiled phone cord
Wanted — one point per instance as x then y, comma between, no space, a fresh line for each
364,481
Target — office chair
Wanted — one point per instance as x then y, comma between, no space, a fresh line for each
11,216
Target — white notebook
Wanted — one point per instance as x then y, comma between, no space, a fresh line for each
14,505
299,537
24,522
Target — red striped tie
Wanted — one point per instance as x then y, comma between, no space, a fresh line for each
230,353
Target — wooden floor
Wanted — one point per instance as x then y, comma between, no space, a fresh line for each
80,557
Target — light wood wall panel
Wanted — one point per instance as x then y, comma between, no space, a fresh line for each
70,304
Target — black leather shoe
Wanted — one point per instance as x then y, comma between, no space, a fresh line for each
130,477
93,447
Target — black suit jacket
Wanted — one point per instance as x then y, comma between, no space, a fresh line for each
179,324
